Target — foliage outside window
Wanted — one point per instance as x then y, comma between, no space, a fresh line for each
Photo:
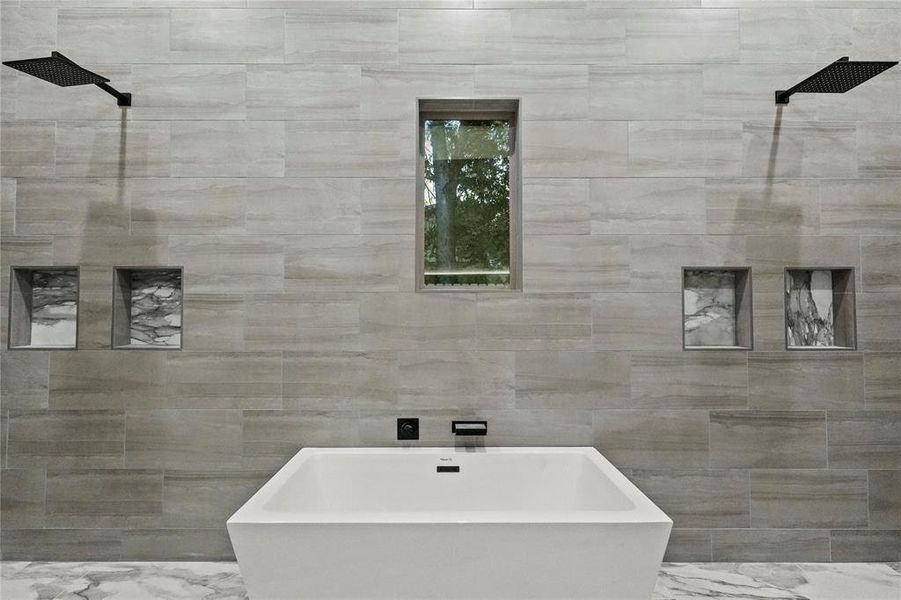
466,203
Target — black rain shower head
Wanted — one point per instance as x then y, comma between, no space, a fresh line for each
61,71
837,78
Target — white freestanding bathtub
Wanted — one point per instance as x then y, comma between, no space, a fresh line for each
404,523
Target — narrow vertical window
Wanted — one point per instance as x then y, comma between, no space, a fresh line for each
467,195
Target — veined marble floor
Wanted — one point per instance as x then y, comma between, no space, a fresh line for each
222,581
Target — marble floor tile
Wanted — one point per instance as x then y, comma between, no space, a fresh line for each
222,581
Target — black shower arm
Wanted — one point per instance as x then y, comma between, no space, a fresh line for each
782,95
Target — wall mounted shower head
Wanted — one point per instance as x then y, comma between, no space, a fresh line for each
837,78
61,71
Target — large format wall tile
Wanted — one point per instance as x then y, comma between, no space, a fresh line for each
698,497
534,322
304,206
348,149
449,379
568,36
808,498
855,207
271,437
879,325
760,439
656,261
425,321
799,149
303,92
370,263
647,206
468,36
199,499
885,499
630,321
311,380
28,149
547,91
389,92
879,261
104,498
62,544
91,206
573,380
228,149
685,149
24,379
323,35
738,92
66,439
644,439
216,322
682,36
781,381
28,31
865,439
96,35
575,263
302,323
771,545
106,379
384,206
877,145
882,376
161,206
183,439
227,36
625,93
229,264
779,35
177,544
187,92
861,545
570,149
555,206
688,545
223,380
690,380
22,499
762,207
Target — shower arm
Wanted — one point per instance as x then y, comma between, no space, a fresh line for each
122,98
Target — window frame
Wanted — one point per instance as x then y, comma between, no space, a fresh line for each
465,109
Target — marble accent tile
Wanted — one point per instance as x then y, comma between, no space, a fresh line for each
228,149
781,381
768,439
808,498
347,36
858,207
572,380
873,581
385,206
698,498
620,321
762,207
865,439
272,437
28,149
885,499
53,308
770,545
200,499
22,499
575,263
872,545
799,149
182,544
682,36
216,322
882,377
571,149
230,264
227,36
104,498
652,439
879,316
61,544
303,92
685,149
99,379
223,380
24,379
682,380
710,307
591,37
183,439
738,92
92,207
557,92
807,35
454,379
368,380
155,303
28,31
66,439
555,206
94,35
389,92
187,92
879,260
656,261
186,206
534,322
349,149
305,206
319,323
418,321
809,317
647,206
633,92
468,36
877,145
688,545
354,263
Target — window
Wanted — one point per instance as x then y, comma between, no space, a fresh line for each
467,195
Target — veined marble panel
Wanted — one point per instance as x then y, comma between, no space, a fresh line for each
809,319
54,308
710,308
155,316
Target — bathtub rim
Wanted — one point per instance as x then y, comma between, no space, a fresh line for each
642,511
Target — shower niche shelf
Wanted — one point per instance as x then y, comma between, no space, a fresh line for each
716,308
147,308
43,308
820,309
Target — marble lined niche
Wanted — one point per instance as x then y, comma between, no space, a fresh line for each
43,308
147,308
819,308
716,308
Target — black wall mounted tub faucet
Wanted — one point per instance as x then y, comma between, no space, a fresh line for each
59,70
467,428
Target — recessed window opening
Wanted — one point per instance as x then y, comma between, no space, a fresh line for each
467,195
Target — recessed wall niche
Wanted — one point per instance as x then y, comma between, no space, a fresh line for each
819,309
147,308
716,308
43,308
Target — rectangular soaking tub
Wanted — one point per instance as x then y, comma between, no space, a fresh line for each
449,524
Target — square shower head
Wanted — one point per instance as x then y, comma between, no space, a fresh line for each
56,69
837,78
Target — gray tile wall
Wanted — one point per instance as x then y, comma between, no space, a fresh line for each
270,152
